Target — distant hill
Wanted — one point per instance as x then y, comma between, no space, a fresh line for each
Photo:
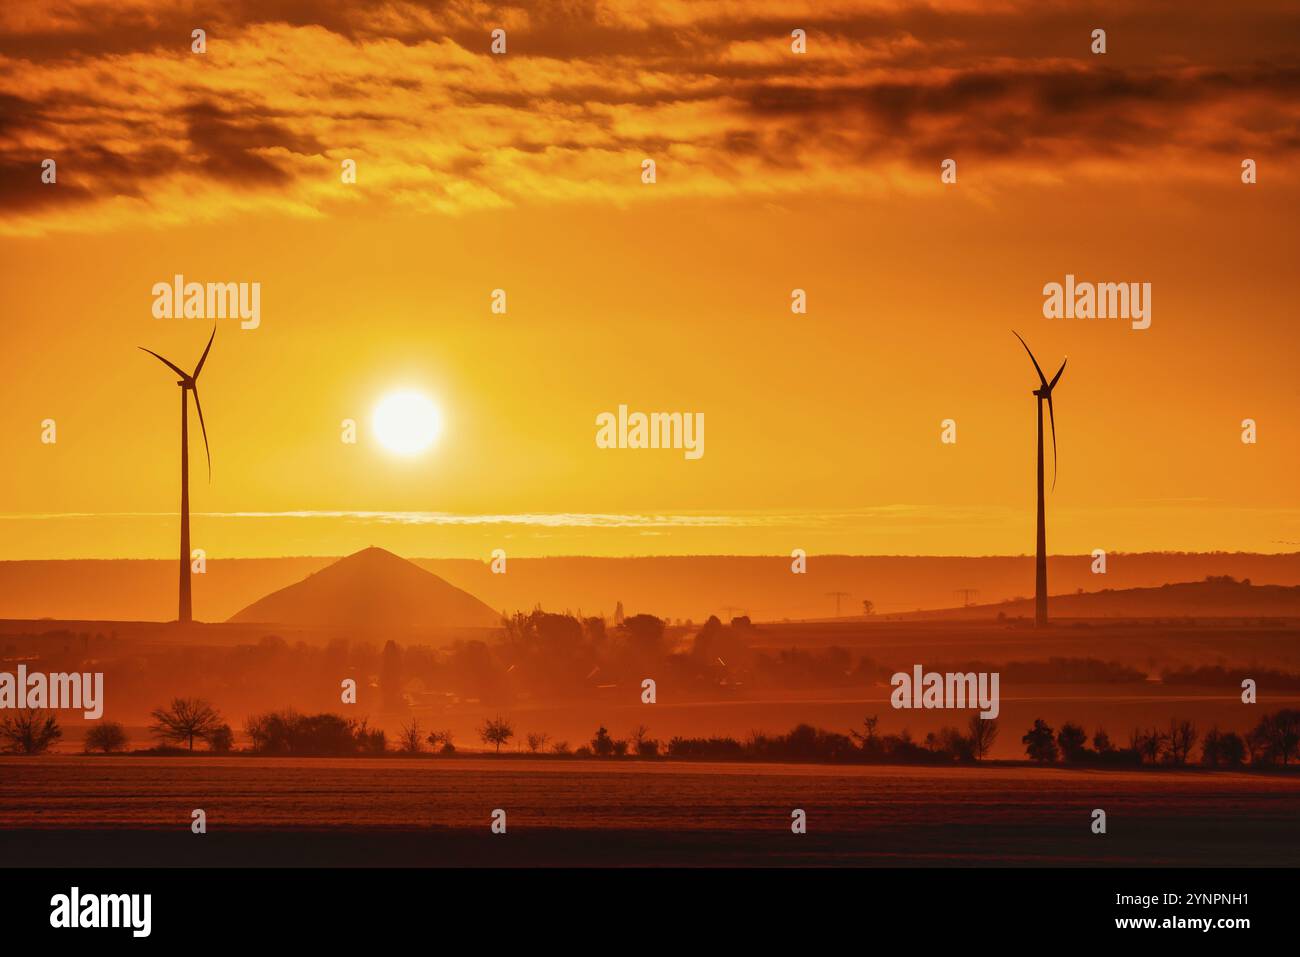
371,589
693,586
1215,597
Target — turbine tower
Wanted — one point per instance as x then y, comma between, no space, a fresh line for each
189,382
1044,391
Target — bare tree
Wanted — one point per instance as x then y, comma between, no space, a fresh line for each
1182,738
983,732
185,720
1276,737
867,736
496,731
537,740
956,744
1148,744
1210,745
411,741
28,731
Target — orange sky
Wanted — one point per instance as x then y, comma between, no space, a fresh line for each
775,171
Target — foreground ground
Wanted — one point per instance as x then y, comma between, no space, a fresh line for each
97,811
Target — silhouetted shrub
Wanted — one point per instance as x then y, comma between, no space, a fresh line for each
956,745
602,745
107,736
1072,741
288,732
806,743
1040,742
221,739
1222,749
28,731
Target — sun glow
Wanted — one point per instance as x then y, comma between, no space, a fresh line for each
407,422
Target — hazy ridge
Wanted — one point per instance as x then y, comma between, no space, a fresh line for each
676,587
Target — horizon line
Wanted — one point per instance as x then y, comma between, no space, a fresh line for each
641,557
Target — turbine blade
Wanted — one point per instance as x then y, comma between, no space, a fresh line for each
1051,385
204,358
205,432
1051,415
175,368
1041,377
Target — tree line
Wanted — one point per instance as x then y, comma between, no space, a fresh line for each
1274,740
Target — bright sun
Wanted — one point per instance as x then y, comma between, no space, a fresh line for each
406,422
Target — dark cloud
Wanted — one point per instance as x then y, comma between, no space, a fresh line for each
1015,112
226,145
219,144
21,188
1206,30
84,174
1012,84
17,114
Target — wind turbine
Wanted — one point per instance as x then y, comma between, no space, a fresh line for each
189,382
1044,391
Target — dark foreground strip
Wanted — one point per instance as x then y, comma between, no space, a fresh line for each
485,908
